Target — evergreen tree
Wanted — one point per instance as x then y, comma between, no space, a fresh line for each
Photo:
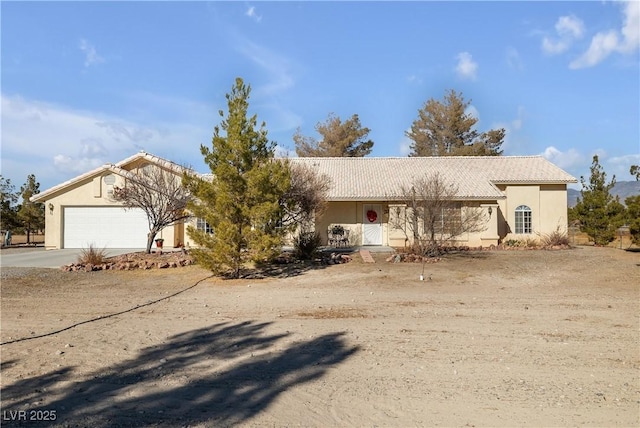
8,215
633,217
241,202
633,209
598,212
445,129
339,139
30,214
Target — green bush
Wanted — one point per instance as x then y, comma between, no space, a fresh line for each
306,245
92,256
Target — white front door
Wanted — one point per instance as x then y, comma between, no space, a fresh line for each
372,224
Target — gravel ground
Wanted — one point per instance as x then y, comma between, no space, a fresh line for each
503,338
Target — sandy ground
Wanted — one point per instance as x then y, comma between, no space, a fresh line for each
504,338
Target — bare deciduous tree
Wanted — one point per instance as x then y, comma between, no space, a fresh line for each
306,196
429,215
158,192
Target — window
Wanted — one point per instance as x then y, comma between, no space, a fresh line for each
202,225
109,181
523,219
448,220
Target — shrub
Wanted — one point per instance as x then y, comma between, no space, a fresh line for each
92,255
555,238
512,243
522,243
306,245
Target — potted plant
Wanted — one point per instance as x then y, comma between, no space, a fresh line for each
159,242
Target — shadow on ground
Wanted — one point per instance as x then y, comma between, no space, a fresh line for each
206,375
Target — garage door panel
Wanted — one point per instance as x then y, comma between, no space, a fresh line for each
105,227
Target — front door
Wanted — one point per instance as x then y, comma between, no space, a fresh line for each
372,224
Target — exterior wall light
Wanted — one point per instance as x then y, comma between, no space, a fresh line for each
490,211
50,208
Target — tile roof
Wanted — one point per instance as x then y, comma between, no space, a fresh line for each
380,178
377,178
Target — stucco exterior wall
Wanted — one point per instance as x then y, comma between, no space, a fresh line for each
548,205
351,216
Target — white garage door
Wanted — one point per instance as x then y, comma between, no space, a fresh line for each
105,227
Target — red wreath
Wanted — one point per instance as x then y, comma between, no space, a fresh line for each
372,216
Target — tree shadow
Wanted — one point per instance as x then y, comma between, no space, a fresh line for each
467,255
285,270
191,378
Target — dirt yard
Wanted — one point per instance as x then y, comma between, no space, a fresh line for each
502,338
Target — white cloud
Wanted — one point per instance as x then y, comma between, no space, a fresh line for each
604,43
568,29
251,13
571,26
631,27
405,145
466,67
620,165
57,143
91,56
278,68
601,47
552,47
566,160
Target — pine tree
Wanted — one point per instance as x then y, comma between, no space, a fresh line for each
633,217
8,213
30,214
241,203
599,213
443,128
339,139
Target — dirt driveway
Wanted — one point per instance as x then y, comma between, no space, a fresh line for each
517,338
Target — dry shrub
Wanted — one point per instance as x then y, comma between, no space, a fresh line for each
522,243
306,245
92,255
554,239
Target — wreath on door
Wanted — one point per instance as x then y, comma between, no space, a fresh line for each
372,216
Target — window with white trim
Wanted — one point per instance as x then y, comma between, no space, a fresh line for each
523,219
202,225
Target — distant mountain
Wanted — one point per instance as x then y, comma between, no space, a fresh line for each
623,189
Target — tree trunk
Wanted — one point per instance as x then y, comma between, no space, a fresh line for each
150,237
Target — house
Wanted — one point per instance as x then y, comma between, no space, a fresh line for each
522,196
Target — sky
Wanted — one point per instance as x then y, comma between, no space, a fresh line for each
88,83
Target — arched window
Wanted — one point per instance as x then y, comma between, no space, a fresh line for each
523,219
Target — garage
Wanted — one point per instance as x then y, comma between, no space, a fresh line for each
104,227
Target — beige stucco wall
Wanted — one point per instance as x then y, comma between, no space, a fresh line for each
351,216
488,236
548,205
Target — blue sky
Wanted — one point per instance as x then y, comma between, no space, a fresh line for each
84,83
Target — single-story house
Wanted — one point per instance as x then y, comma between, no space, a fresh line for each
522,197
